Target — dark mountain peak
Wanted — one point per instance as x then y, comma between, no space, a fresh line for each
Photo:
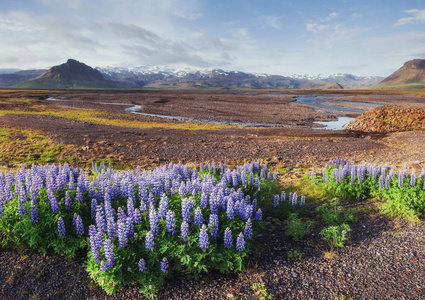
72,61
72,74
415,64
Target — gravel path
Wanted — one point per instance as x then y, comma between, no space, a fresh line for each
383,260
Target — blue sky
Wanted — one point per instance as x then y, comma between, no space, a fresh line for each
373,37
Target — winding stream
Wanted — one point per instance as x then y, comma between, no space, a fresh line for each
314,101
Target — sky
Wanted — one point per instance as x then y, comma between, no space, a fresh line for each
363,37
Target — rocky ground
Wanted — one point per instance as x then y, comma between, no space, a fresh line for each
392,118
383,260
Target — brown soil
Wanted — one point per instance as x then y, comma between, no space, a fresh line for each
288,146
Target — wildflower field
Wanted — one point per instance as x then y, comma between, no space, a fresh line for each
138,226
142,227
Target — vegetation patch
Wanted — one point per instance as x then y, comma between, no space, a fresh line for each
28,146
138,226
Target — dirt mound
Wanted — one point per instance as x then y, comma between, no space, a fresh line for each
389,119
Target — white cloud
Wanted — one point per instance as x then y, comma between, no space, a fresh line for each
332,16
272,21
418,17
189,17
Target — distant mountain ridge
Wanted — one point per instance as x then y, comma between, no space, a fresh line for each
74,74
170,77
410,76
9,79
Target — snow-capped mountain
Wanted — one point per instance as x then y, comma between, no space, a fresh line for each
344,79
186,77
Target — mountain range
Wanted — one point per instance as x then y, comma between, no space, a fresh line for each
74,74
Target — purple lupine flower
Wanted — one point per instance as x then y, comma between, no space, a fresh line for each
111,227
93,208
53,201
312,175
184,230
248,211
71,182
121,214
204,200
61,228
248,230
199,218
79,195
153,220
164,265
170,222
34,212
103,266
151,200
254,205
381,181
294,199
203,238
387,182
68,201
413,178
283,196
213,225
122,234
400,179
150,243
228,239
142,265
137,217
236,206
143,206
163,206
100,219
230,211
108,248
274,176
258,215
21,208
95,244
129,227
185,210
302,201
240,243
109,212
78,224
213,205
130,207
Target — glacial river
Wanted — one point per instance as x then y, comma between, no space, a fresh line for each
315,101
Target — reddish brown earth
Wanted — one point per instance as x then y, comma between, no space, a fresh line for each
292,145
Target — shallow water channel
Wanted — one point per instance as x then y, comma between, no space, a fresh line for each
314,101
318,102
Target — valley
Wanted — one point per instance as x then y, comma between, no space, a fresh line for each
93,126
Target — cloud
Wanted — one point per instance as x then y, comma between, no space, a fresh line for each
272,21
328,33
150,49
189,17
332,16
418,17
